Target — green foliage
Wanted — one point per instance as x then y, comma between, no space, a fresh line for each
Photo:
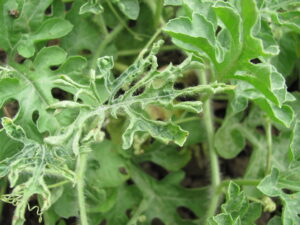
96,123
237,209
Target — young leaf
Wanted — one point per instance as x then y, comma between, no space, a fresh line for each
130,8
92,6
236,209
272,186
21,163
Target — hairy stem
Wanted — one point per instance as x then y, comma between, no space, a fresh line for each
215,170
80,169
269,144
214,164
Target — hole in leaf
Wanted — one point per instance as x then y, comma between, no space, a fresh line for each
246,112
48,11
31,216
85,52
157,221
68,6
132,23
61,94
129,213
218,30
53,68
166,57
104,222
178,86
19,59
93,164
35,116
119,93
186,213
275,131
139,91
123,170
53,42
237,166
129,182
72,220
3,56
196,171
190,80
264,218
287,191
10,108
255,61
260,129
294,85
109,29
106,133
157,113
219,107
187,98
151,140
154,170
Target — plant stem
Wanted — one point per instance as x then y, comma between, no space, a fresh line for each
269,144
245,182
215,170
121,20
104,43
80,169
102,25
135,217
58,184
255,200
149,43
137,51
158,12
3,184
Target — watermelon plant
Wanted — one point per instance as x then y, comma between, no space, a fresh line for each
132,112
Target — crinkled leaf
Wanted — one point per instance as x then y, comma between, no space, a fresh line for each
91,6
273,185
22,162
236,209
142,76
